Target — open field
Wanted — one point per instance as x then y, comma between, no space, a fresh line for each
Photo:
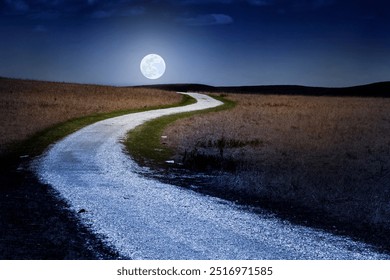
27,107
330,155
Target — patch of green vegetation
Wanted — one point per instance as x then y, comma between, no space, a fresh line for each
36,144
144,142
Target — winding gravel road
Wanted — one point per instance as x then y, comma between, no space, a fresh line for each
146,219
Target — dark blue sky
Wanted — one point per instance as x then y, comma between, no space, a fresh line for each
217,42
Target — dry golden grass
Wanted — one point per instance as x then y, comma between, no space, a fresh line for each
27,107
327,153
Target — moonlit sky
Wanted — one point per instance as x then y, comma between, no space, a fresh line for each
216,42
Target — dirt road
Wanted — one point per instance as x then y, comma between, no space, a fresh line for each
146,219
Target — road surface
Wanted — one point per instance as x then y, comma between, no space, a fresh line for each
146,219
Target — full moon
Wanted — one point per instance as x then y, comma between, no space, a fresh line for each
152,66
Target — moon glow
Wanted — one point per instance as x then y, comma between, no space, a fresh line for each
152,66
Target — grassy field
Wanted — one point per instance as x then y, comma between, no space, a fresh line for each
330,155
28,107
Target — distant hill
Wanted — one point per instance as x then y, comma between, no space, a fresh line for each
184,87
381,89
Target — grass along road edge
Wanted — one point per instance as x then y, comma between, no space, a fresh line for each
40,141
144,142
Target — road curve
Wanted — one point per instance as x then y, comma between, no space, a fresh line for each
146,219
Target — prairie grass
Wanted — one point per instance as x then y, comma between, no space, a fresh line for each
144,142
327,154
27,107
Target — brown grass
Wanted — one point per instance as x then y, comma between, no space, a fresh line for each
27,107
330,154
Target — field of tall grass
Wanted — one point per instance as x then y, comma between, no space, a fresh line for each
27,107
330,155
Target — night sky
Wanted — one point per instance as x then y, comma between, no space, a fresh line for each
216,42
